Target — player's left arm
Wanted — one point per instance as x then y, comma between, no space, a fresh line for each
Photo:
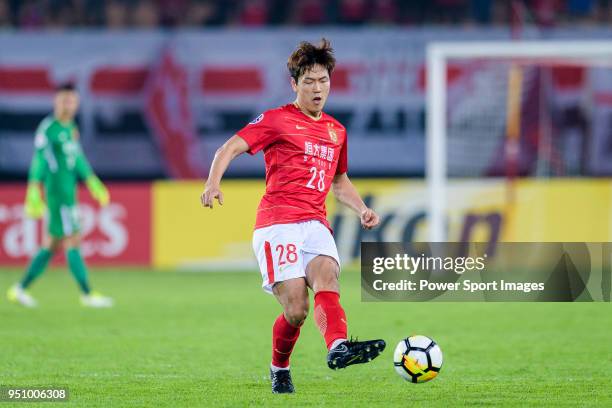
96,188
347,194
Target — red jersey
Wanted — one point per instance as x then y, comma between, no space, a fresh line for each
302,156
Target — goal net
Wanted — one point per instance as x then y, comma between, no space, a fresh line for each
500,112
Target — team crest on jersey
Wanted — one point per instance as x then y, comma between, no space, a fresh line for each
332,132
256,120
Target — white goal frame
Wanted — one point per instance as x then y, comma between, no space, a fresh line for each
437,55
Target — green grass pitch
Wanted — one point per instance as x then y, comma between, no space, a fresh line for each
189,339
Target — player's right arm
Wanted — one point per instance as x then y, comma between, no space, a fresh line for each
231,149
34,204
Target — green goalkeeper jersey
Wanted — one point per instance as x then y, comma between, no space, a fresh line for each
58,161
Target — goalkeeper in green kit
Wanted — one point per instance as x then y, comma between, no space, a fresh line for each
57,165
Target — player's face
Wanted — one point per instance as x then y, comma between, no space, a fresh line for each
66,104
312,89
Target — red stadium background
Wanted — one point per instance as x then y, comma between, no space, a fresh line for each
118,234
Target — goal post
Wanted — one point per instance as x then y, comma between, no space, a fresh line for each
438,56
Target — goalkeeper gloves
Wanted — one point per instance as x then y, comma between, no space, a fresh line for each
34,205
97,190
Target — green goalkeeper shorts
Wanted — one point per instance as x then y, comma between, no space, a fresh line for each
63,220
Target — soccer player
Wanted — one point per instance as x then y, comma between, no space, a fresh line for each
57,163
305,153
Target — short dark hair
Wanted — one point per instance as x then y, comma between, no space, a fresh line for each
308,55
65,86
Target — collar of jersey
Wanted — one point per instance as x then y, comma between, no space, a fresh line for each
296,106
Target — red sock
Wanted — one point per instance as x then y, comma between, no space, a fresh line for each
330,316
284,336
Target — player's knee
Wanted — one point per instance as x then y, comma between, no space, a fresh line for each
72,241
332,268
296,314
55,245
326,275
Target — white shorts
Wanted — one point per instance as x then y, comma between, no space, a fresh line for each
284,250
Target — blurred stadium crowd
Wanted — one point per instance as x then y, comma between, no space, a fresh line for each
119,14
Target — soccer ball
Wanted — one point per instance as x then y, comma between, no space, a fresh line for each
417,359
